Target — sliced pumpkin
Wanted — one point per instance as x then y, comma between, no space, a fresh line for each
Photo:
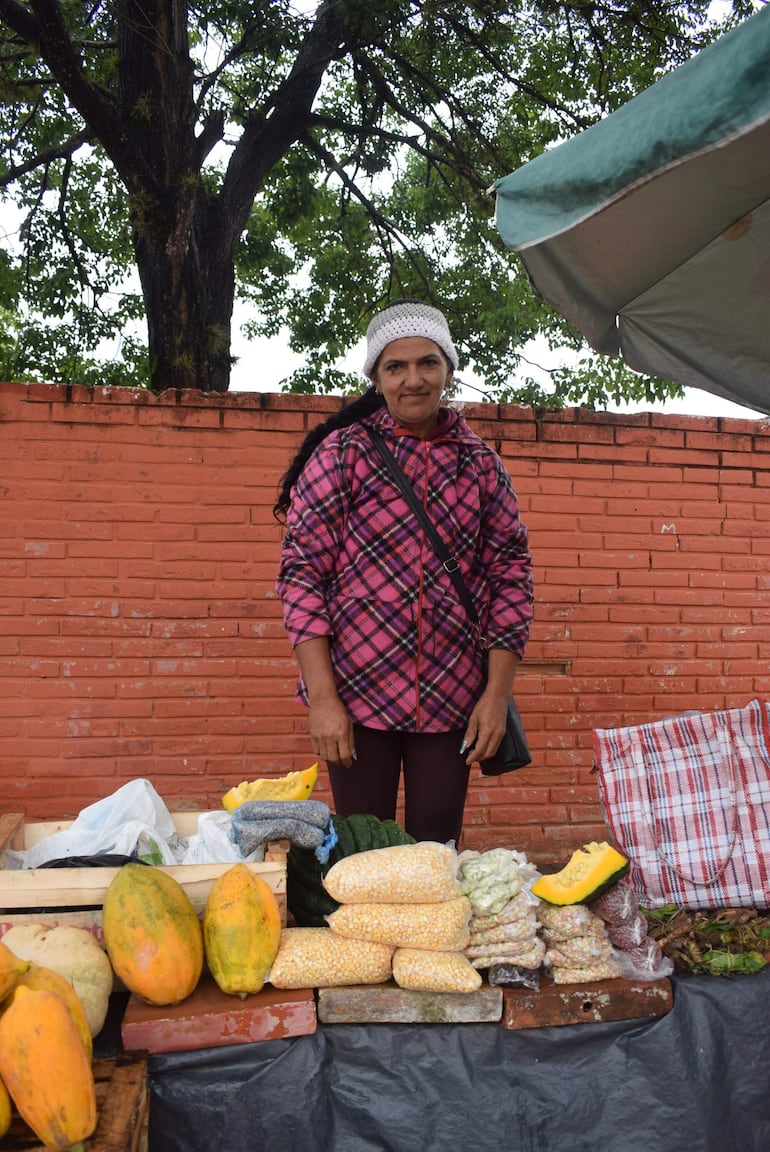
590,871
294,786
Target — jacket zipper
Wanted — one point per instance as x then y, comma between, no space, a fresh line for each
421,587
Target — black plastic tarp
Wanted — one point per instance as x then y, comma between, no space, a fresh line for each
695,1080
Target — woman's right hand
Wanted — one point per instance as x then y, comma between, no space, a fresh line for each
331,731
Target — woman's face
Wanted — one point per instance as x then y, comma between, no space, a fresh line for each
412,374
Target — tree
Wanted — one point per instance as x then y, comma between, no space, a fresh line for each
313,162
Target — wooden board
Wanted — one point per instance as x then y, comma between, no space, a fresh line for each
388,1004
601,1000
210,1018
123,1106
75,895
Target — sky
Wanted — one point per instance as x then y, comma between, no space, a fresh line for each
262,364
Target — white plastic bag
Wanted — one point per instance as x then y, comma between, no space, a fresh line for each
212,844
115,825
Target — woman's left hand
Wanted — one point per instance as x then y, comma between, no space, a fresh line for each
486,728
486,725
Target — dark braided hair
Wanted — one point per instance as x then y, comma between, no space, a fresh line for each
365,405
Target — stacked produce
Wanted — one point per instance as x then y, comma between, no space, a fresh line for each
45,1054
638,955
307,899
503,925
404,902
578,949
578,946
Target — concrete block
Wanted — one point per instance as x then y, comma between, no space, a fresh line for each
389,1004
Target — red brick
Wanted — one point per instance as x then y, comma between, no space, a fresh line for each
593,1003
210,1018
141,555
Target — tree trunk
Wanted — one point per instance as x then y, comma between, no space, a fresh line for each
184,238
189,291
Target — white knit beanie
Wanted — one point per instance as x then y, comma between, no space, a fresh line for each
402,319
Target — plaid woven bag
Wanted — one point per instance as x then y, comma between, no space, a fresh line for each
687,800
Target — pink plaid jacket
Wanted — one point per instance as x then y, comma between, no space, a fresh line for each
356,567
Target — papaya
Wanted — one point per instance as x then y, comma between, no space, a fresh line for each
11,967
6,1110
45,1069
241,931
39,977
589,872
152,934
294,786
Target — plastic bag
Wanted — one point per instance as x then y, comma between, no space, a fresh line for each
528,954
438,927
319,958
521,907
647,962
617,905
420,873
421,970
513,932
134,816
562,923
491,879
608,969
578,951
212,843
514,976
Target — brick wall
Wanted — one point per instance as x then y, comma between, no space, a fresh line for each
140,634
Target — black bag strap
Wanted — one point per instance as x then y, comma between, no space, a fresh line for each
448,561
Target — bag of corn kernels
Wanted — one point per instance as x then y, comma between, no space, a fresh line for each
421,873
421,970
318,958
441,926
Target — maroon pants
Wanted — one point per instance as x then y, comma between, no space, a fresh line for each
435,780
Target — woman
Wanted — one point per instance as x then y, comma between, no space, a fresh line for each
390,665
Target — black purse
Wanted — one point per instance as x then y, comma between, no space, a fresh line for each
513,751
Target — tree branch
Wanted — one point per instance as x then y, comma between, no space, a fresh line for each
50,36
268,135
18,18
385,228
62,151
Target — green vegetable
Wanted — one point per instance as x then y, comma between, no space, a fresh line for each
306,898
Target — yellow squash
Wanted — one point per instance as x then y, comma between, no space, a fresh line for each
590,871
294,786
45,1069
152,934
241,931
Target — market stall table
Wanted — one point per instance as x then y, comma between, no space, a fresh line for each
693,1080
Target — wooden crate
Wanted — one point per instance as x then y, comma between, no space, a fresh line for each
123,1106
75,895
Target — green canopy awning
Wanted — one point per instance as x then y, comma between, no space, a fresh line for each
650,231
